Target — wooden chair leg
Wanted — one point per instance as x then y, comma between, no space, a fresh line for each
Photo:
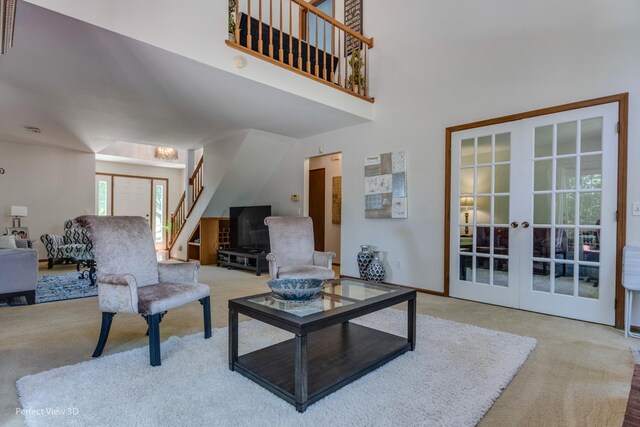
104,333
206,313
153,321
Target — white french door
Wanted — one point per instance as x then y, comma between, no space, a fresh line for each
533,214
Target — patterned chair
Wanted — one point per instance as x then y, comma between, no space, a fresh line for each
292,250
73,247
130,279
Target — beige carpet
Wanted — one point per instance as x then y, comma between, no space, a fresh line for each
579,375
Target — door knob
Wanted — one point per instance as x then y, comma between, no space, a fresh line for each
525,224
514,224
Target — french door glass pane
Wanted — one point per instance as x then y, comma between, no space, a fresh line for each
564,243
591,172
501,240
542,175
563,281
502,178
544,141
466,267
566,173
565,208
483,210
501,272
503,147
485,152
590,208
542,242
566,141
501,210
591,135
484,180
483,270
542,209
589,281
466,181
467,152
589,249
541,276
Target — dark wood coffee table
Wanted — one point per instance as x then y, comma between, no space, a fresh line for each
328,352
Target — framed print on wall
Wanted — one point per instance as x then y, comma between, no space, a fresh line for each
385,185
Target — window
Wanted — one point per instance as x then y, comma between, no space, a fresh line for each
102,198
159,213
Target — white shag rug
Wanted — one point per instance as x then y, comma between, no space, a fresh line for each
452,378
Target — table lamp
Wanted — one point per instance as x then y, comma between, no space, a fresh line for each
466,202
18,212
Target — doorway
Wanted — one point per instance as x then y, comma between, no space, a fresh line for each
324,196
533,213
135,196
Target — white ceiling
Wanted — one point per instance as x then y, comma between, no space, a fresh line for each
87,87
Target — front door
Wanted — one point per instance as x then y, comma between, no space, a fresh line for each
533,214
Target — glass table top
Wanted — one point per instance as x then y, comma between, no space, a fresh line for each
336,294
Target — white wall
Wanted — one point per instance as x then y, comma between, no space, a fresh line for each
331,231
175,176
55,184
449,63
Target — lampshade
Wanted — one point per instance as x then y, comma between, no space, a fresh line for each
18,211
466,201
165,153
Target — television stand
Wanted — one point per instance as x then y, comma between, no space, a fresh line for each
244,258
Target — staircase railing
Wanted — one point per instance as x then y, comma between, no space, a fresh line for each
296,35
196,183
180,215
178,218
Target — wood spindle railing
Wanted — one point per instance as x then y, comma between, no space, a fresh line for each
340,59
196,182
178,218
180,214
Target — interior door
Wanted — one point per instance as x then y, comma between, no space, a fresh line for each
132,197
484,264
317,206
533,214
568,264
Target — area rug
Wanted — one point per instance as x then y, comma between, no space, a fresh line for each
63,286
452,378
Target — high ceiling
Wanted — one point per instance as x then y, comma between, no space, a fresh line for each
87,87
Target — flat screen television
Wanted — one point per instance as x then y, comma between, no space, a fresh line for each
248,230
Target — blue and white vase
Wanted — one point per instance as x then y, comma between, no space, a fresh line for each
375,270
365,256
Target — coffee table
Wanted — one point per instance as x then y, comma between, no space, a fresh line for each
328,352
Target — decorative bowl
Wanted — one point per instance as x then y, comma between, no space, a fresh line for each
296,289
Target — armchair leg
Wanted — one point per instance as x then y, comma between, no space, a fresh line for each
206,313
104,333
153,320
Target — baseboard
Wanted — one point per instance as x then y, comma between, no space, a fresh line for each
422,291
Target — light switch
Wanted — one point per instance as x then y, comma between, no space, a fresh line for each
635,210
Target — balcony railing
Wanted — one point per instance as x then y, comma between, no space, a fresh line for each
297,36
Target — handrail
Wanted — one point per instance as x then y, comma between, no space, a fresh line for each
332,54
334,22
196,182
178,219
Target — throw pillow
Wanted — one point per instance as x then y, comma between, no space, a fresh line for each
7,242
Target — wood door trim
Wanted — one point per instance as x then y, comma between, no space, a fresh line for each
623,112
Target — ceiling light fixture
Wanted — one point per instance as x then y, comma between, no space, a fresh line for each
7,24
32,129
165,153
